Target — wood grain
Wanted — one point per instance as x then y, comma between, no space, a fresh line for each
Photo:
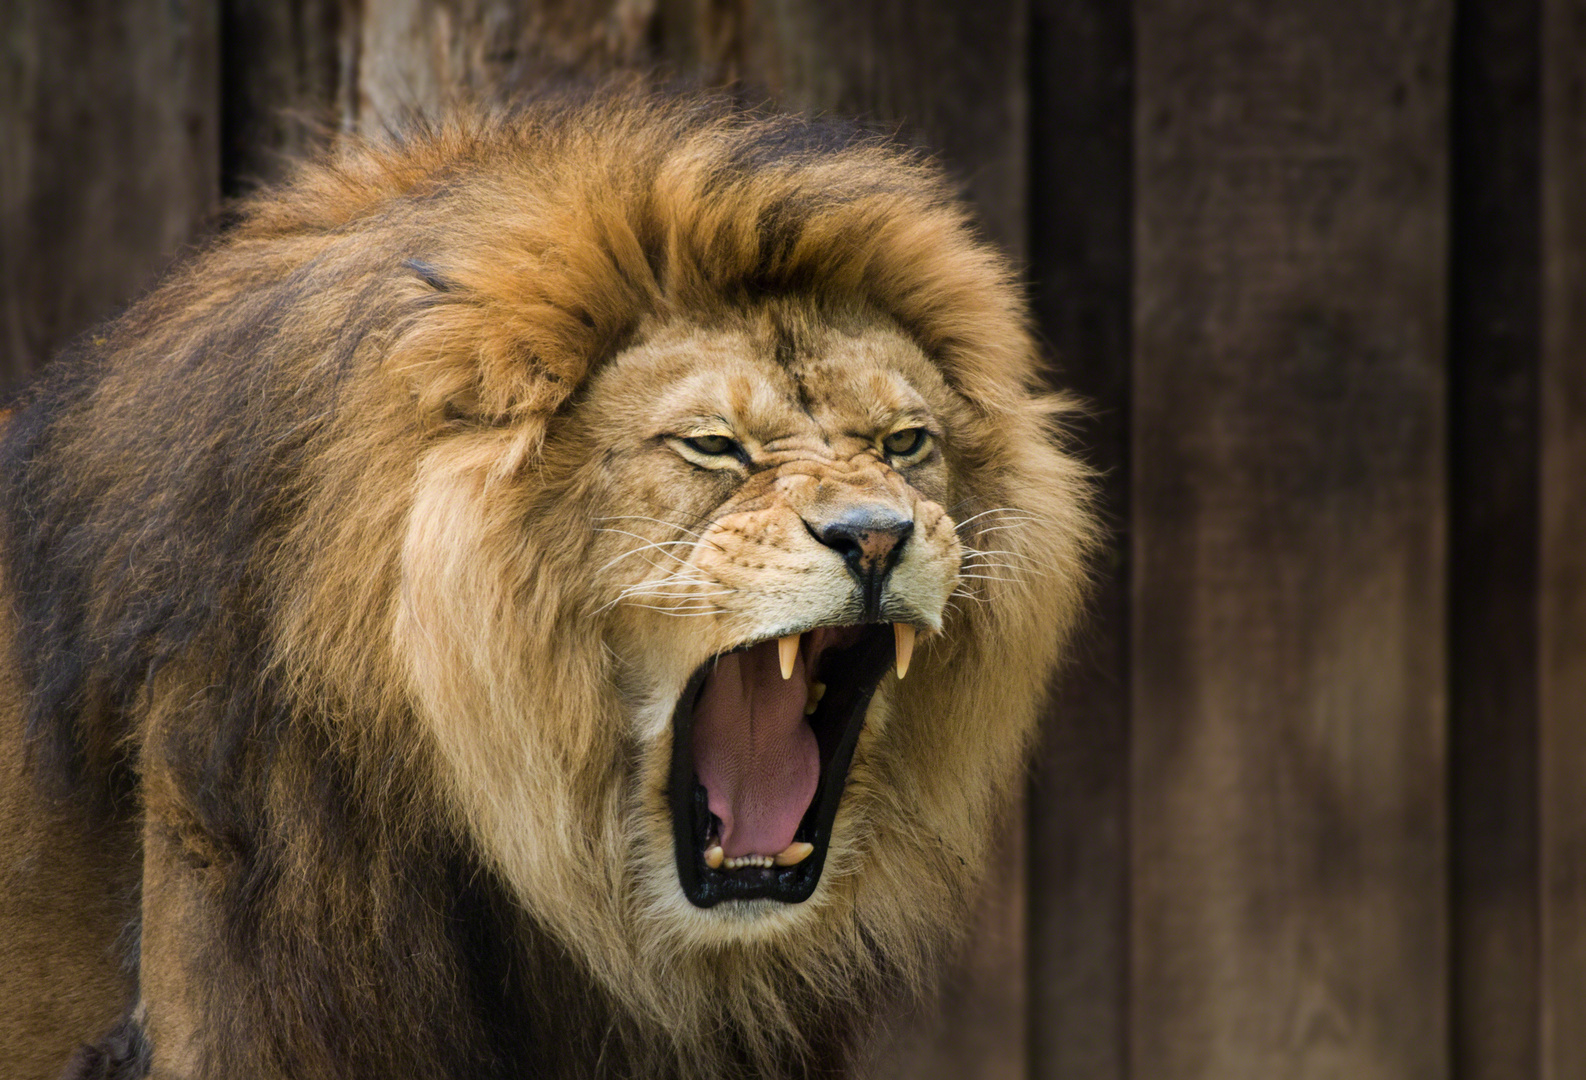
413,54
947,76
109,118
1288,782
1080,229
288,74
1563,595
1494,351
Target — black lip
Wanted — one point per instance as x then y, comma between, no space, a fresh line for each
851,675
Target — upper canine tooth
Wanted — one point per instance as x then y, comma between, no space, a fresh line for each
788,648
904,634
794,853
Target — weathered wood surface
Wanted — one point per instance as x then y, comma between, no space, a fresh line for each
1563,573
942,74
109,120
1247,855
288,69
414,53
947,75
1494,346
1288,783
1080,228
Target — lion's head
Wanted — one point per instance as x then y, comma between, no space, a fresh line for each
654,495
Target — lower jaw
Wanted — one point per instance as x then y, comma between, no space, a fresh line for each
837,725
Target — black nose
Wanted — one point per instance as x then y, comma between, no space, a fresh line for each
870,540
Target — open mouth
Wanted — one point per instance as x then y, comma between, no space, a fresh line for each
762,740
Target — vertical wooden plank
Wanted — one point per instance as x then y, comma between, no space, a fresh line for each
1081,143
1494,350
417,53
949,76
284,82
1563,614
1288,815
108,160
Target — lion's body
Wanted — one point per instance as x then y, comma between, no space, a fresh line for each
68,891
347,703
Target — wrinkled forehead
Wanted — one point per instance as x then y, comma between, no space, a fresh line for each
766,382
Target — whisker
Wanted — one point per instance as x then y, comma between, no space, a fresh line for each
697,519
646,539
687,514
647,545
679,613
641,517
686,572
673,581
666,594
1027,516
1003,528
1014,567
687,601
650,562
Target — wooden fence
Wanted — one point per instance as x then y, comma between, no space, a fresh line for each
1310,803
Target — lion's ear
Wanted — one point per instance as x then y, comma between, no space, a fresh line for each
463,358
506,338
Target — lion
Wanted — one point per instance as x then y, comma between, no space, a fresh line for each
564,590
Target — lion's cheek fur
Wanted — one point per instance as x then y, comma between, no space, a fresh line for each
531,763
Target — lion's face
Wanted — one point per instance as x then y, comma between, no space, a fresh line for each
779,541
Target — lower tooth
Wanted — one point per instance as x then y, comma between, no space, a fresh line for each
816,692
743,862
714,856
794,853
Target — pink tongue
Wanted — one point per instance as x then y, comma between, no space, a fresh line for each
754,752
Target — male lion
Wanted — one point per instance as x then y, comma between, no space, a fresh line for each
564,593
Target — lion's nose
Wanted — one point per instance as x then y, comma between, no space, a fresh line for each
870,539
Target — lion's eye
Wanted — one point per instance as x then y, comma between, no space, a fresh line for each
712,445
910,442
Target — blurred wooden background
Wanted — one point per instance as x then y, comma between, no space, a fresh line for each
1310,803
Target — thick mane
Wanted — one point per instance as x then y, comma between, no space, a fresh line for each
203,513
